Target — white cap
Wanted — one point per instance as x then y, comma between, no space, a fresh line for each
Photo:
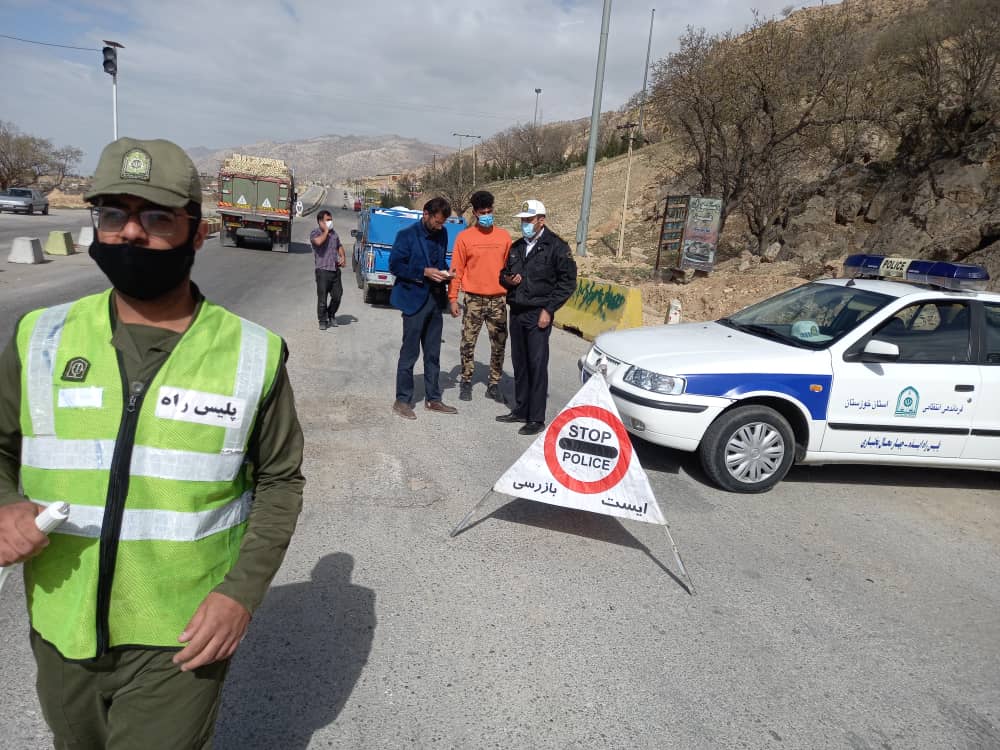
531,209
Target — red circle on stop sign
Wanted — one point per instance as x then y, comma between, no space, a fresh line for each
624,449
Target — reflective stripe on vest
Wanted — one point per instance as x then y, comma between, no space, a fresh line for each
41,361
54,453
159,525
159,463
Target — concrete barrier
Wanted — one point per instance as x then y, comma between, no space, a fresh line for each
85,236
25,250
59,243
214,224
599,306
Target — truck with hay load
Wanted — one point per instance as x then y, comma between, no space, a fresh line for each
256,196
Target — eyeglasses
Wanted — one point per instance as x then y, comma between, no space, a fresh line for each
159,222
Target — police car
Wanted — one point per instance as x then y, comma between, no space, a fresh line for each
897,363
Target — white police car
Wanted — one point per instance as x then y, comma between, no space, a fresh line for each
862,369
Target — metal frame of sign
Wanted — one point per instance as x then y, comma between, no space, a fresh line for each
672,227
687,583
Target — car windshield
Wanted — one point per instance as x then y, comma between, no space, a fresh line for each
812,316
20,193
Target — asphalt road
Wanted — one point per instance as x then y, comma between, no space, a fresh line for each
847,608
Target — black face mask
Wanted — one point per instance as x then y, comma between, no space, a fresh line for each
142,273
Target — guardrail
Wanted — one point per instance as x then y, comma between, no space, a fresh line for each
306,210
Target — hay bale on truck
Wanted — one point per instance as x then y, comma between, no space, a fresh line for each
256,195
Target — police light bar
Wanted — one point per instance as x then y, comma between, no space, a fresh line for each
953,276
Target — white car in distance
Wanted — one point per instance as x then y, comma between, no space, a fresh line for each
898,363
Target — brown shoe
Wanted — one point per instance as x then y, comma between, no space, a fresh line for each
404,410
441,407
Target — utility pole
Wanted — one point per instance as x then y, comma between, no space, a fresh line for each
538,92
110,52
474,160
595,121
460,137
628,177
645,76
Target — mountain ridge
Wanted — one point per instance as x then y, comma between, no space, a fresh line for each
331,158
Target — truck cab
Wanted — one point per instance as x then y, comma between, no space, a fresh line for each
373,239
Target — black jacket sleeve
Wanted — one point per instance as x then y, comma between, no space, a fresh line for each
565,282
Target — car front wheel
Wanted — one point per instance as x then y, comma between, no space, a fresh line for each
749,449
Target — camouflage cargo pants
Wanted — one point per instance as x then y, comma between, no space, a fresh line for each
481,309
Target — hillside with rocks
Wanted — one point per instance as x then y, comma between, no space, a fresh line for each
331,159
891,198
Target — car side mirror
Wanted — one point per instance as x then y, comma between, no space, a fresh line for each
880,351
354,233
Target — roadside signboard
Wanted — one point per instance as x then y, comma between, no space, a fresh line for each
701,233
689,234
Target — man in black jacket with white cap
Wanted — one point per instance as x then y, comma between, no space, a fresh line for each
540,276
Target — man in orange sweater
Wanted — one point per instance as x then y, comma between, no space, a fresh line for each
479,255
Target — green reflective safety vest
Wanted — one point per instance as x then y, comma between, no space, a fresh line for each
157,478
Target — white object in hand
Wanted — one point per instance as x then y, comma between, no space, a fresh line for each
51,517
46,521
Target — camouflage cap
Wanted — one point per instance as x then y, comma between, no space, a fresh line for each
158,171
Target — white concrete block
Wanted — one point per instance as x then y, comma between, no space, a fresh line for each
25,250
85,237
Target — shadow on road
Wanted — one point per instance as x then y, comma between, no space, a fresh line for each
555,518
304,652
480,379
894,476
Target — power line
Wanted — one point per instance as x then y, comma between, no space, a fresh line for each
47,44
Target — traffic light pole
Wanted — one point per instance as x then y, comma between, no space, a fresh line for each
114,101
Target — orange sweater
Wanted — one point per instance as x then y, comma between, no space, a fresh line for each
477,260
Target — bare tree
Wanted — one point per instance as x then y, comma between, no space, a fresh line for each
945,64
747,105
452,181
62,162
500,150
25,158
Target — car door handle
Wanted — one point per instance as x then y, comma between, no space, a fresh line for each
965,388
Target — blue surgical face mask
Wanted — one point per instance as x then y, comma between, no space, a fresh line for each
528,229
486,221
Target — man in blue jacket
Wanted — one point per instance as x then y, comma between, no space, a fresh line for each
419,262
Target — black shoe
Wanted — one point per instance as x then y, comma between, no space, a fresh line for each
323,325
465,391
511,418
493,392
531,428
333,322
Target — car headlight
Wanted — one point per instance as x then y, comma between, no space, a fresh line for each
668,385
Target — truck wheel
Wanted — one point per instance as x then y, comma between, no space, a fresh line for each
368,294
45,211
749,449
31,209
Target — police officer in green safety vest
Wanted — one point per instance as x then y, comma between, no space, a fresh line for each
168,425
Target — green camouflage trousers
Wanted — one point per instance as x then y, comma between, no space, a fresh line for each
481,309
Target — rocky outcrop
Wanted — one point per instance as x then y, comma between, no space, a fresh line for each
949,212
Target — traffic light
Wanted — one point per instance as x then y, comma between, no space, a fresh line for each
110,60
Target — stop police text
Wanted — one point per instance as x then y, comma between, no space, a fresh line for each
593,435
